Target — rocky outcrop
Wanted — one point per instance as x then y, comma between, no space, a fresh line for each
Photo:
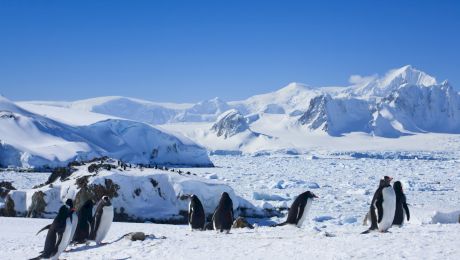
241,222
337,116
138,194
230,123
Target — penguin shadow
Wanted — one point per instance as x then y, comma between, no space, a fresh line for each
85,247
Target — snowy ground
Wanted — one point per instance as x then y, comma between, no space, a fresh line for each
345,187
412,242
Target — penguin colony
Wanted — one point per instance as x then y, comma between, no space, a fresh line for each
69,227
388,207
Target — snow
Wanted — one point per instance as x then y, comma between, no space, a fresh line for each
403,102
332,228
33,140
412,242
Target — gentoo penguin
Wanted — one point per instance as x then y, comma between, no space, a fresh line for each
196,216
402,210
58,235
103,217
383,205
73,219
299,209
222,219
85,218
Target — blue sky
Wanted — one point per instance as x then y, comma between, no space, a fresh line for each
187,51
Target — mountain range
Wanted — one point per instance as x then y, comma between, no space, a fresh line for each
405,102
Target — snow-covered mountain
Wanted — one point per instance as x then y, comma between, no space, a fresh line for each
31,140
403,102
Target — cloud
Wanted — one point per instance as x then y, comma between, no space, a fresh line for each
361,80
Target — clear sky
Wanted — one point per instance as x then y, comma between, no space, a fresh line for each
187,51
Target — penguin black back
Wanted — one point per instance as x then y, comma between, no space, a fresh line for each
196,215
85,220
297,208
55,232
401,204
223,215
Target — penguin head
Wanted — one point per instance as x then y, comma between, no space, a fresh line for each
386,181
397,186
69,204
106,201
225,195
311,195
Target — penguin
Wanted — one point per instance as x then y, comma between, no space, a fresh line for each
402,210
58,235
222,219
383,205
73,219
85,220
102,219
299,209
196,216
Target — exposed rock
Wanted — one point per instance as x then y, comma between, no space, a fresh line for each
38,205
230,123
135,236
8,209
5,188
60,172
241,222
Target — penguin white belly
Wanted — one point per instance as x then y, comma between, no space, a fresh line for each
305,213
74,226
389,207
104,226
65,239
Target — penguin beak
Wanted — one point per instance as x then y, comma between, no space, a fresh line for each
314,196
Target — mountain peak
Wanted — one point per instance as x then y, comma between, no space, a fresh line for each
294,87
393,79
408,74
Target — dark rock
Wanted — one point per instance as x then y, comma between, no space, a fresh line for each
38,205
8,210
135,236
241,222
5,188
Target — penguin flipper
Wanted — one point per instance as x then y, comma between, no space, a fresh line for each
300,211
406,208
379,206
44,228
373,219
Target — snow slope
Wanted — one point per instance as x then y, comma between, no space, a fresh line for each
32,140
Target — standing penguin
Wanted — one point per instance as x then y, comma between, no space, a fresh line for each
103,217
383,205
58,235
402,210
222,219
85,219
73,219
196,216
299,209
